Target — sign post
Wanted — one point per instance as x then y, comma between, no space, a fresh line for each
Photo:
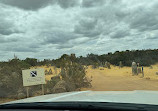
42,89
33,77
27,91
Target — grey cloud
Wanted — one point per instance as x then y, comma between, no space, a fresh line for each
37,4
88,24
5,31
20,49
64,46
87,27
110,11
67,3
145,22
93,27
24,50
5,27
152,35
34,46
119,34
92,3
152,38
72,43
27,4
57,37
2,54
4,39
109,17
114,14
144,19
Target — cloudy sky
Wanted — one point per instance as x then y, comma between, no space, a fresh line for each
49,28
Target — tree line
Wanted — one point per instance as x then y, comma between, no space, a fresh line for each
144,57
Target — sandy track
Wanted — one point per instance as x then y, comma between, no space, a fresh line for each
116,79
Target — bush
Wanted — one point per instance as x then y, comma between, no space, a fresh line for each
11,78
50,84
73,73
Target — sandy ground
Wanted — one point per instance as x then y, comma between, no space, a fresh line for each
116,79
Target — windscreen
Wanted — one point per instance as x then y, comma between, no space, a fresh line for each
78,50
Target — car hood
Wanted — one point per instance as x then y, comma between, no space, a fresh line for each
137,96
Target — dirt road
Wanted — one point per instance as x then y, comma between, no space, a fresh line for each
116,79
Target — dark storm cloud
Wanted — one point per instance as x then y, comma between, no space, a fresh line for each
92,3
27,4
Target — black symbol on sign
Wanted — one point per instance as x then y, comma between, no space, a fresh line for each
33,73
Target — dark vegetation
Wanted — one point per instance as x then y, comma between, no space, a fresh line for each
144,57
11,86
72,71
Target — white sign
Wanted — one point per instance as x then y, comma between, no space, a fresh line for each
33,77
